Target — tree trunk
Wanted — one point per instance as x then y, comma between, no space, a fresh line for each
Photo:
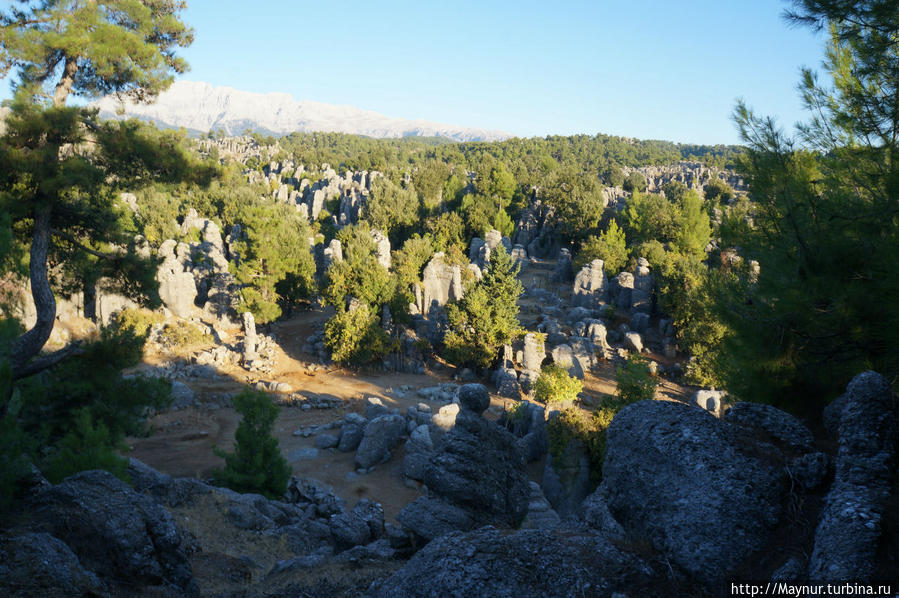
65,84
30,344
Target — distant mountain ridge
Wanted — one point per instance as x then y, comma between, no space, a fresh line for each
200,107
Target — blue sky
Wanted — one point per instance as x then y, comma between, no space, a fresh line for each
654,69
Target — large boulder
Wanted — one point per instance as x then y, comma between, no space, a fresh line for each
381,436
38,564
177,287
702,494
124,536
850,525
591,287
476,475
532,562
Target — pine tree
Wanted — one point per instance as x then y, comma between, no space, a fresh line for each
486,318
59,189
825,231
256,465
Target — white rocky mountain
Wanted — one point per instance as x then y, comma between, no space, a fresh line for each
198,106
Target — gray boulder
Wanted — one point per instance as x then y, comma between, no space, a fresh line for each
381,436
682,479
37,564
364,524
531,562
776,425
418,453
124,536
476,476
851,523
591,287
351,432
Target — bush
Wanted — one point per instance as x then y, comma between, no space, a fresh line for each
356,337
635,381
184,335
256,465
554,386
137,320
89,445
610,246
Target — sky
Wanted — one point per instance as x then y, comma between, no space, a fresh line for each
651,69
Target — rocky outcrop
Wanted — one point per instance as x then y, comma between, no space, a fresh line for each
119,534
382,434
680,478
38,564
591,287
177,288
476,476
440,283
851,523
535,562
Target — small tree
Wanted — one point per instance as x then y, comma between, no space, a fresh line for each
555,386
635,381
487,316
355,336
256,465
610,246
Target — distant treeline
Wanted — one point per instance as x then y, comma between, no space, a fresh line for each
537,155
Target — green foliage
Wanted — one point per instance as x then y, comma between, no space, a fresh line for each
613,176
408,263
184,335
447,230
609,246
88,445
634,380
648,216
487,316
717,191
479,212
634,182
275,259
823,226
95,38
577,202
256,465
554,386
391,208
694,230
93,380
429,180
355,336
686,292
137,320
14,460
359,275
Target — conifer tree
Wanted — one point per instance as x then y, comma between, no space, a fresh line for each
58,187
486,318
825,229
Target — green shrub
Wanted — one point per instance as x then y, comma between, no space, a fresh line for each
88,445
356,337
635,381
256,465
137,320
184,335
554,386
